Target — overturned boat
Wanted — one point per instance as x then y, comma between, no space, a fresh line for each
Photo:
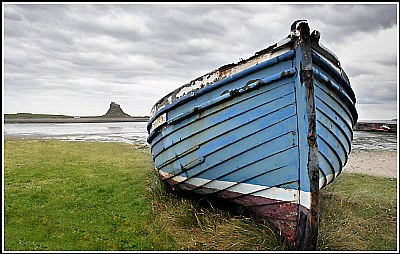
266,133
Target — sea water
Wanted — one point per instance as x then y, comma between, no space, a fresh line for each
367,140
128,132
136,133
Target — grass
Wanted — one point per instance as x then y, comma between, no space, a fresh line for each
359,212
76,196
106,196
196,224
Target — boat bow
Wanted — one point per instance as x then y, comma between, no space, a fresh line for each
267,132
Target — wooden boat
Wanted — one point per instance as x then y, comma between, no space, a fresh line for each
266,133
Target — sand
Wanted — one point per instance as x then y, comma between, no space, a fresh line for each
375,163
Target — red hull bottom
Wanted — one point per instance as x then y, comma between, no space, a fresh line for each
281,214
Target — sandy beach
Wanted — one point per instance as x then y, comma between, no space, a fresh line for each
376,163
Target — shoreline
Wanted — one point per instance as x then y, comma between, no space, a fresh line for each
373,162
75,120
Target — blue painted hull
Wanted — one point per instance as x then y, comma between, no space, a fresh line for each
267,135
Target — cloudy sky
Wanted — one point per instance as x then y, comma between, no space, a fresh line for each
74,59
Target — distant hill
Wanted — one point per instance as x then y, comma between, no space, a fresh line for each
115,111
113,114
31,116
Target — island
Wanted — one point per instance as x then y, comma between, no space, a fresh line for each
113,114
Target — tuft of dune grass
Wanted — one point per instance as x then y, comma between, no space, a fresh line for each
199,225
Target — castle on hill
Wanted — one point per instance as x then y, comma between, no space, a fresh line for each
115,111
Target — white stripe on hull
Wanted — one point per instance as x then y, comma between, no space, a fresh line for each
281,194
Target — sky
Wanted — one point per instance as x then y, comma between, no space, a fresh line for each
75,59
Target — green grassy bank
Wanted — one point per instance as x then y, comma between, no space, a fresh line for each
105,196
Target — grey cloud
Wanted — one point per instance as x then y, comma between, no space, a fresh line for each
341,21
388,62
376,89
144,50
12,15
368,18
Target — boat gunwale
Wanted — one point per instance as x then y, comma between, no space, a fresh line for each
332,71
317,50
340,92
279,86
265,64
348,97
231,94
